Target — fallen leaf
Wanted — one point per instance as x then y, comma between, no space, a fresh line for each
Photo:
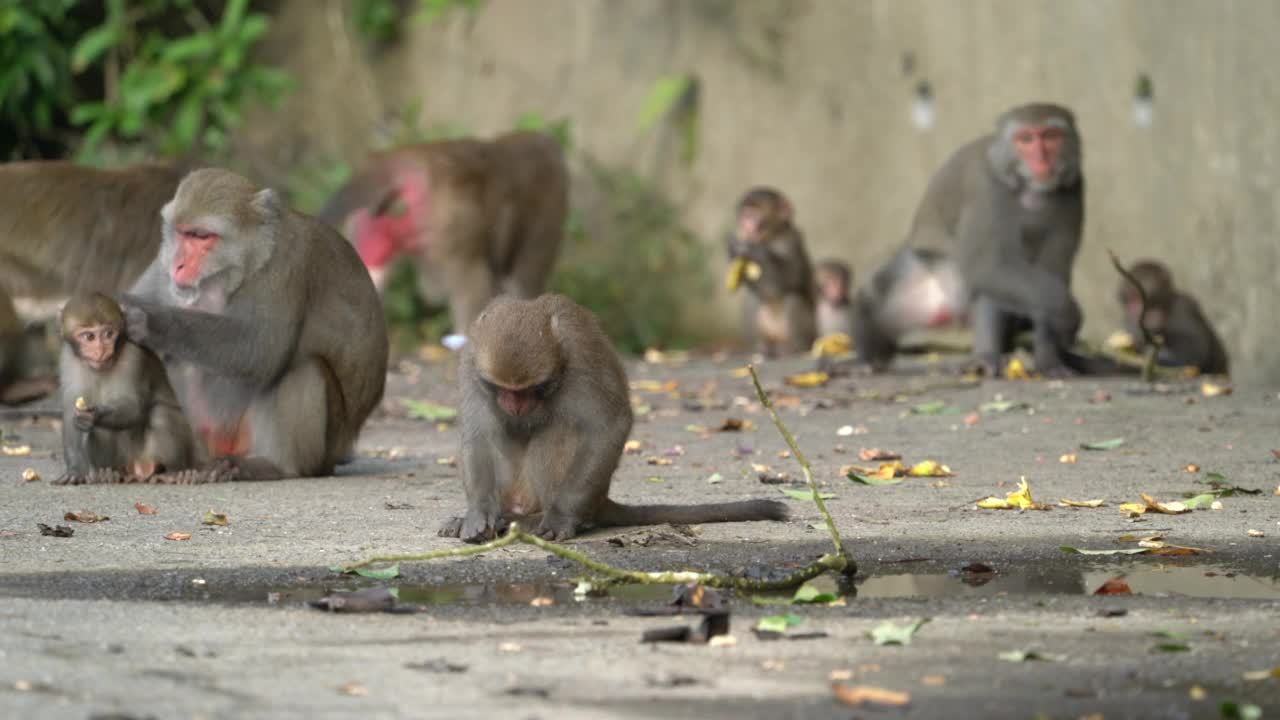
1114,586
1111,444
655,479
1080,503
1256,533
887,633
542,601
1116,551
742,372
1197,693
1256,675
430,412
1020,656
144,509
722,641
85,516
832,345
807,380
213,518
1192,468
1169,508
1068,459
715,478
385,573
778,623
972,419
178,536
804,494
929,468
877,455
30,475
447,460
872,479
857,695
934,680
1231,710
15,450
1019,499
632,447
1209,389
655,460
735,425
1215,505
936,407
353,689
1133,509
55,531
1192,503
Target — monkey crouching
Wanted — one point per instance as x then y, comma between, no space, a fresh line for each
545,415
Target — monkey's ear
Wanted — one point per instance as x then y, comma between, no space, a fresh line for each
166,212
784,210
267,204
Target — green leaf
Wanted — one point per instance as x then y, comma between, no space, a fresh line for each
186,122
804,494
999,406
1198,500
887,633
715,478
812,594
428,411
1018,656
873,481
1168,635
86,113
1118,551
1231,710
778,623
937,407
663,96
92,45
1111,444
1173,647
232,16
386,573
253,28
188,48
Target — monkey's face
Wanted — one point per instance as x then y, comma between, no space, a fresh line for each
96,345
521,402
833,288
1038,147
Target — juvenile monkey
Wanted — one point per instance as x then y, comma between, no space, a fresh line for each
768,250
545,415
993,239
121,421
1188,337
835,306
270,327
478,217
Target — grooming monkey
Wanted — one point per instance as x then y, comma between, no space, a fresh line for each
478,217
834,282
993,240
1188,338
121,421
768,256
67,228
270,327
545,415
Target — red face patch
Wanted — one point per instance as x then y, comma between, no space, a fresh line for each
193,245
379,239
1038,147
517,403
374,240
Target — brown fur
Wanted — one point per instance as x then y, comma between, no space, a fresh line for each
1188,338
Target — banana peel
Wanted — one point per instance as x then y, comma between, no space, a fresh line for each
739,268
833,345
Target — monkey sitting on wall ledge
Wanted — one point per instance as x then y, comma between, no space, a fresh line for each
546,412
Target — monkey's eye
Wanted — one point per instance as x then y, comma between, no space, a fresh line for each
108,335
86,336
1022,137
1052,133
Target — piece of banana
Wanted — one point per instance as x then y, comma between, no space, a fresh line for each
81,404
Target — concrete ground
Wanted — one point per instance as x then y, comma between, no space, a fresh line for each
119,622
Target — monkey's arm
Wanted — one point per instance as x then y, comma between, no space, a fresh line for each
255,349
75,447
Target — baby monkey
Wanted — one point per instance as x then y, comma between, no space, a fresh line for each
1188,338
121,421
835,304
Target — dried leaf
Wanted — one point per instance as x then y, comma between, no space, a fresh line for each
1080,503
178,536
55,531
936,407
1169,508
1256,533
857,695
735,425
15,450
1019,499
632,447
1114,586
213,518
877,455
807,380
85,516
144,509
1133,509
655,460
1116,551
1020,656
1256,675
353,689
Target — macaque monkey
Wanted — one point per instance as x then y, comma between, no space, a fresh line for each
23,375
121,421
768,255
834,281
545,414
1188,339
67,228
478,217
270,327
1001,223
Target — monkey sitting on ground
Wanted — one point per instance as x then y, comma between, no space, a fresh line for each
269,325
1002,220
1188,338
835,307
478,217
769,257
121,421
545,414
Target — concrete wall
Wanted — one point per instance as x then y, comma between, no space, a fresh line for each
813,96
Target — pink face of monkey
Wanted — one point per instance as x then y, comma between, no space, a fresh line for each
1038,147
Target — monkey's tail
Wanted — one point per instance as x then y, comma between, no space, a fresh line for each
614,514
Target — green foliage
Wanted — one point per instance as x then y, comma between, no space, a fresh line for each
675,99
35,76
561,130
638,268
181,91
377,21
429,10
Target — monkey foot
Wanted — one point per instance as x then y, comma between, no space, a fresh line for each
451,527
213,474
96,476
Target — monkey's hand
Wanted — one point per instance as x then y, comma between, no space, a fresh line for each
85,418
135,320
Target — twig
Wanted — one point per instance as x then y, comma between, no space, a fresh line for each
1152,344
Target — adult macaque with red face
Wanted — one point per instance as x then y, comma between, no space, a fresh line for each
1174,316
121,421
994,239
477,217
269,324
769,257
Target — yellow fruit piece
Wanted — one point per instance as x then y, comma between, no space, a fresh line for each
833,345
81,405
1120,340
733,278
929,468
808,380
1080,503
1019,499
753,271
1133,508
30,475
1016,369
